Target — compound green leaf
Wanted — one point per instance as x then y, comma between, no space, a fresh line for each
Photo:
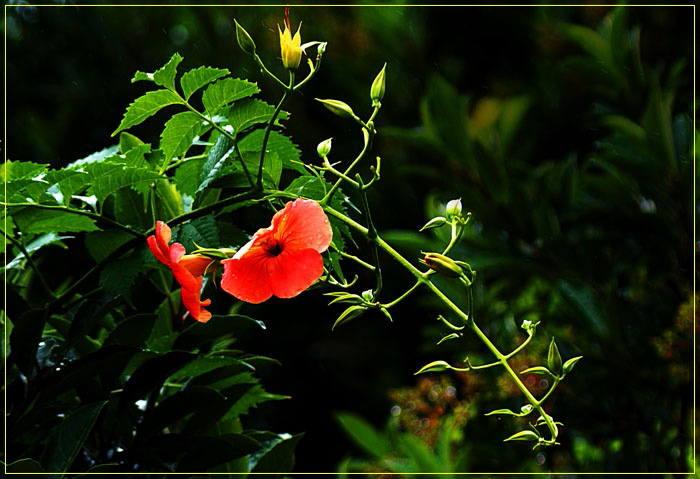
226,91
250,112
34,220
216,160
165,76
179,133
196,78
108,178
146,106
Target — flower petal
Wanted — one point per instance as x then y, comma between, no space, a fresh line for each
295,271
158,243
302,224
248,278
191,285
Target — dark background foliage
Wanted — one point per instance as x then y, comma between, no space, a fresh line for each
580,221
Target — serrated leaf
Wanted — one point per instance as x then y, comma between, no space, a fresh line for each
127,141
34,220
525,435
226,91
165,76
435,366
14,170
187,176
202,231
250,112
216,160
142,76
146,106
196,78
179,133
107,178
569,365
277,143
96,157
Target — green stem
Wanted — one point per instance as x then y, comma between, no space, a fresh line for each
268,129
554,385
367,145
403,296
354,258
262,66
423,278
513,375
371,235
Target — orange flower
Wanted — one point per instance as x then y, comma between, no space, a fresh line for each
187,269
282,260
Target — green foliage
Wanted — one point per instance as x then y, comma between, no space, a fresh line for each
127,383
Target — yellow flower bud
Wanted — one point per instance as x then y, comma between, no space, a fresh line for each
291,47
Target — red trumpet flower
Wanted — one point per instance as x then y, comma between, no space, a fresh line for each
187,269
282,260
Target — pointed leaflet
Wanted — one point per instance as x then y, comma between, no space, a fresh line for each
195,79
277,143
145,106
33,220
107,178
179,133
166,75
226,91
252,111
216,159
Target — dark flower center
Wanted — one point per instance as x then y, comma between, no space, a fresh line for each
273,247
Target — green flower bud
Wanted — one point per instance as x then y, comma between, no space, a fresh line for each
443,264
244,41
554,359
377,90
324,148
339,108
453,209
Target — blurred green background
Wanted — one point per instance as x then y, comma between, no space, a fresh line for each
567,132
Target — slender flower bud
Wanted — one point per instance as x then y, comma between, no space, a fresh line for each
453,208
244,40
339,108
443,264
377,90
324,148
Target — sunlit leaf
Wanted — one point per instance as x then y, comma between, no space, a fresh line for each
146,106
196,78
